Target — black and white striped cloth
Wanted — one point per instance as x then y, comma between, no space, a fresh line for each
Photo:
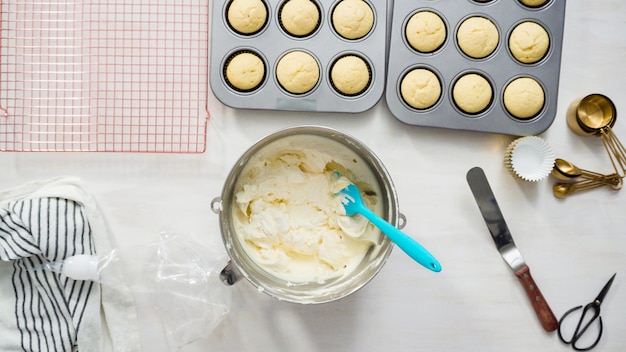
45,311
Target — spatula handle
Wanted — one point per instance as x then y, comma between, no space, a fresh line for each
403,241
542,309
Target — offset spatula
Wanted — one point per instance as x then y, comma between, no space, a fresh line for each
506,246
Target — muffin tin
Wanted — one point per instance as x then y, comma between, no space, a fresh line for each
271,42
449,63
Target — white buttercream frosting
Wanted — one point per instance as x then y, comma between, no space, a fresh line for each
292,222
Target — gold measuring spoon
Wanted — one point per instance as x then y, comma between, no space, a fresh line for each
596,114
564,189
566,171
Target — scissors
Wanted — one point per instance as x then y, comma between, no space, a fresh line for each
594,307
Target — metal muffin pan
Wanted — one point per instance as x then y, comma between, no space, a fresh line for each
449,62
325,45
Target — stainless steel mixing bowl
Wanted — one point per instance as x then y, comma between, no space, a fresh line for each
241,264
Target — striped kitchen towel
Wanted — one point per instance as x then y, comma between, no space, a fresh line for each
41,310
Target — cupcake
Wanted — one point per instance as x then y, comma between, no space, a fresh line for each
353,19
529,42
529,158
524,98
297,72
425,31
420,88
244,71
299,17
350,75
472,93
247,16
477,37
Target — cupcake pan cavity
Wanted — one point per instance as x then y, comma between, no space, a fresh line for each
272,42
449,63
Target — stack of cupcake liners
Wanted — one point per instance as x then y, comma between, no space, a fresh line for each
529,158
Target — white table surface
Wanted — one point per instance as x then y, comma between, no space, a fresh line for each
476,303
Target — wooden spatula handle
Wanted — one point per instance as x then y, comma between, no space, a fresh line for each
544,313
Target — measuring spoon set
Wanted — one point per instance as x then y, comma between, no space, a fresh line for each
592,115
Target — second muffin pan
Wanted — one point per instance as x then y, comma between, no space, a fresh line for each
325,46
450,60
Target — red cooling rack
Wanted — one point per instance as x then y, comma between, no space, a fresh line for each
104,76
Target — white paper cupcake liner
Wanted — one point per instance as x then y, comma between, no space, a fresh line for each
529,158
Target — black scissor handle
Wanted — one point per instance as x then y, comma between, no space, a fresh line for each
578,332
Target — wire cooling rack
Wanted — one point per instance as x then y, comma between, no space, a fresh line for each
104,76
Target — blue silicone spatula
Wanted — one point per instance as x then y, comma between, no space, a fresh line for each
353,204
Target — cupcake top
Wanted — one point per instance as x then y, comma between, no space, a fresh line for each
350,75
420,88
425,31
297,72
533,3
529,42
247,16
524,97
299,17
472,93
245,71
353,19
477,37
